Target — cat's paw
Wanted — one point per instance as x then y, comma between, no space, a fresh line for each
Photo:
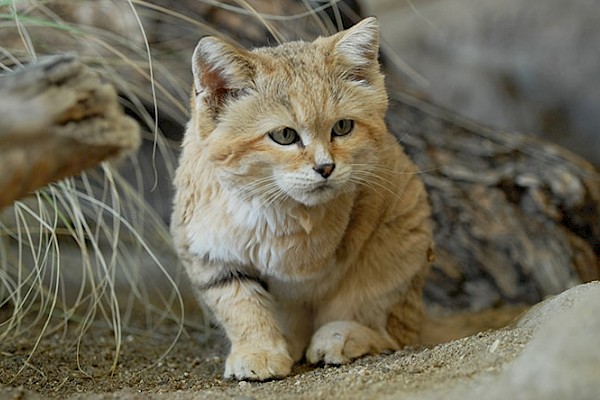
256,364
339,342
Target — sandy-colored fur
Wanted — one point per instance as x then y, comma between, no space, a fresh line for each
288,267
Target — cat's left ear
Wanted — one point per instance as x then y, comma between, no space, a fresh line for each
219,68
359,45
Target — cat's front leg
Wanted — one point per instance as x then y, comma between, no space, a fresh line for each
245,309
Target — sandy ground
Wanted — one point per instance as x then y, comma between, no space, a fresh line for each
549,353
193,369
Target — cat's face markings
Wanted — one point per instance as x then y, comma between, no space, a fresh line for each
293,121
317,167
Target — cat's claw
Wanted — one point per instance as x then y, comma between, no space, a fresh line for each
340,342
258,364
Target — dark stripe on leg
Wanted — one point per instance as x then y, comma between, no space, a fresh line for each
227,277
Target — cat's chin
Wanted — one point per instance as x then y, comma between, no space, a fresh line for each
315,197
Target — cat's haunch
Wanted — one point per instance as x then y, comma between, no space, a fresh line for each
302,224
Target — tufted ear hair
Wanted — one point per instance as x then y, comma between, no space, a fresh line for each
359,46
220,69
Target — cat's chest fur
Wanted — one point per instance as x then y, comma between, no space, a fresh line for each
282,243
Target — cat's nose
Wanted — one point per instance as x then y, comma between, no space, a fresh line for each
325,170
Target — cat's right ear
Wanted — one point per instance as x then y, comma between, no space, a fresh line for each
359,47
220,69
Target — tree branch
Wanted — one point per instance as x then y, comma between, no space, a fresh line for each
516,218
57,118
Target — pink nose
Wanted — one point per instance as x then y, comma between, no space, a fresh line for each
325,170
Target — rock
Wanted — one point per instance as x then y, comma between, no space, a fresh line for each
562,360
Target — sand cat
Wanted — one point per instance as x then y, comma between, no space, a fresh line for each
300,220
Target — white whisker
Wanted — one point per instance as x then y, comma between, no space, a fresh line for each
375,167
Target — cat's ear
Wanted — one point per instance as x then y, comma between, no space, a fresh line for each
359,45
219,68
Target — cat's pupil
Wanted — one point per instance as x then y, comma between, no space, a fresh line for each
342,127
288,134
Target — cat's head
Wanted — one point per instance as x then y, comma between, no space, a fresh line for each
299,121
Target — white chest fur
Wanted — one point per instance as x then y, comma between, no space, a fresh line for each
279,242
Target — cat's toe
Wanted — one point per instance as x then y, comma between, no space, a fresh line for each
340,342
328,351
258,364
330,344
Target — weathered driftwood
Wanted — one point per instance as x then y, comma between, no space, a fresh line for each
516,219
57,118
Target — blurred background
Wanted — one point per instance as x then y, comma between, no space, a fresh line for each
528,66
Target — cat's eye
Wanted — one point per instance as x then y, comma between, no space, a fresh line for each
284,136
342,127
